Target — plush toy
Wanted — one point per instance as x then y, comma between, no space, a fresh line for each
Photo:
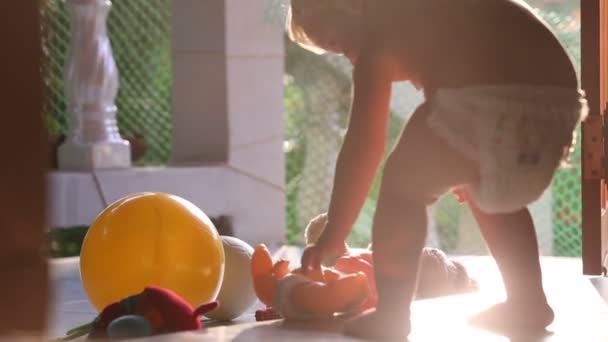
155,310
438,275
302,295
348,287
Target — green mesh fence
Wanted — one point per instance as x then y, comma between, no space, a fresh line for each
316,101
140,34
564,17
567,201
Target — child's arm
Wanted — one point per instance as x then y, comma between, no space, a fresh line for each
358,160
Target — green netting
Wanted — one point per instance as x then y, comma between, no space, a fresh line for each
317,99
566,188
567,212
140,32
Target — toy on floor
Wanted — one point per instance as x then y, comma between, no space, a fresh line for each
153,311
151,239
236,294
438,275
302,295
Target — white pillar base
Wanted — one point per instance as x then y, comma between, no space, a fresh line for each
90,156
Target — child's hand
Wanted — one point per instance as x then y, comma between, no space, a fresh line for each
315,254
311,258
319,250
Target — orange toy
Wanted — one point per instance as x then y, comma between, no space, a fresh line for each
361,262
438,275
349,287
299,294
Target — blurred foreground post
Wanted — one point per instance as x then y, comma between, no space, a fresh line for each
23,267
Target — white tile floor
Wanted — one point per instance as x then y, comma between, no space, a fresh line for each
70,305
581,313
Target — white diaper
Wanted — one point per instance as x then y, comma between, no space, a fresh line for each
519,135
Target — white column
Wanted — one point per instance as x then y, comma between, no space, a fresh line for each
228,86
228,67
91,85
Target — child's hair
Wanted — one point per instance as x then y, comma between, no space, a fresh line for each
300,8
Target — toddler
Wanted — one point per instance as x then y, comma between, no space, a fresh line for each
502,101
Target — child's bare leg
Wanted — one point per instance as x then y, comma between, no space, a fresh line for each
396,257
511,239
400,223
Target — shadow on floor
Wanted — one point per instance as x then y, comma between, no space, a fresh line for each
601,285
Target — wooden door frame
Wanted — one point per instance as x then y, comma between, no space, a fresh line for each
23,242
594,35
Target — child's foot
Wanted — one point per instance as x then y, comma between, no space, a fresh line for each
379,326
514,317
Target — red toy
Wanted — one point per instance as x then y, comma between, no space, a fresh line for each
165,311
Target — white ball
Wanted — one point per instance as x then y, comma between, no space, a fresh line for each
237,293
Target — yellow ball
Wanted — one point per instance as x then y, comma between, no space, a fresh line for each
151,239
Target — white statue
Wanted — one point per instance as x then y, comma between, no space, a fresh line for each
91,86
